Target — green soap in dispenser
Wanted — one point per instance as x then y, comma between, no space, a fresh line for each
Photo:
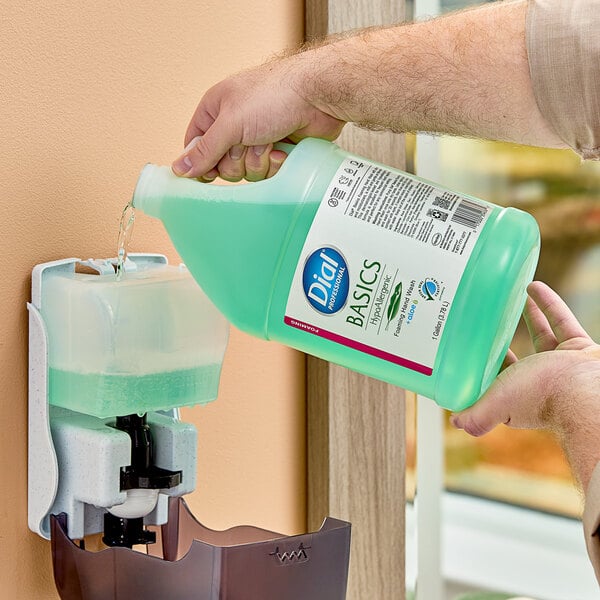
359,264
149,342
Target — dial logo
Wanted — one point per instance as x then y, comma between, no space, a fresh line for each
326,281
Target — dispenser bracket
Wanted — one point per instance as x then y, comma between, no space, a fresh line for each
42,462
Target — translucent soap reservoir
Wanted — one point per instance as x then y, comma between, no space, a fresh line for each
151,341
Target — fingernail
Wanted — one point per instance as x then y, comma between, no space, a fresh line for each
235,152
209,177
259,150
278,156
182,165
192,143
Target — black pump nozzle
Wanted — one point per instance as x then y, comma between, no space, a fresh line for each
126,533
142,473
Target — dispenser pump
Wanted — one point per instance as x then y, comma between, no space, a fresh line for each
142,479
110,363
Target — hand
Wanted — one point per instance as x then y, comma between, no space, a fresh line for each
379,78
558,388
237,121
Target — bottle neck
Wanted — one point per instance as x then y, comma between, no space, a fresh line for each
158,185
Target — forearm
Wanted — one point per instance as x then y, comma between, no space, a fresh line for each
464,74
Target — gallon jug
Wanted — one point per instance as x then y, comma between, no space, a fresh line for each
359,264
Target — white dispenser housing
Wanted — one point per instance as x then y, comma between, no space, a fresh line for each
101,349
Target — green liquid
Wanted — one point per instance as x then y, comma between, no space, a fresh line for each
242,243
107,395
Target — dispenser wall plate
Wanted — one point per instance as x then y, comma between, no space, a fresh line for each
142,329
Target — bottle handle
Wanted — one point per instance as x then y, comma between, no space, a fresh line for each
284,147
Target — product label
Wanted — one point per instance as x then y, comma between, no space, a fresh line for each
381,263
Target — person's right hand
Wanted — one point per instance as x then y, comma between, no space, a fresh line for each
558,388
237,121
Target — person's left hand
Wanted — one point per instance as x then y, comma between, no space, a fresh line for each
558,388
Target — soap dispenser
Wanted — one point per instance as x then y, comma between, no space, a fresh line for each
110,364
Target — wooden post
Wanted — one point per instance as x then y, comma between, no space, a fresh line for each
356,454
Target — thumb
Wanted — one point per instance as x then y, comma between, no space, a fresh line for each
516,397
200,157
490,410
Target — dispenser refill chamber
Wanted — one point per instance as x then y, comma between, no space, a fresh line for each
110,364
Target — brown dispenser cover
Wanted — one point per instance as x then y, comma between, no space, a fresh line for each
197,563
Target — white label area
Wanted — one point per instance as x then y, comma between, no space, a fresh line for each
382,262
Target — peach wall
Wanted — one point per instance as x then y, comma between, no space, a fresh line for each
89,92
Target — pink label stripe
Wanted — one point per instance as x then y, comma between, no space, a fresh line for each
344,341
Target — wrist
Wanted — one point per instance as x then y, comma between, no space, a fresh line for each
578,429
334,77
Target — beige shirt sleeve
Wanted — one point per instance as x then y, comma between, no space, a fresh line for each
591,520
563,45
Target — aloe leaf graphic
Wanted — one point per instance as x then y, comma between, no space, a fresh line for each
394,305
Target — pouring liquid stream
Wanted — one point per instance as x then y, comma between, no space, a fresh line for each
125,235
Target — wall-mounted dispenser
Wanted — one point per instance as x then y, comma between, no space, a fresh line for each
110,364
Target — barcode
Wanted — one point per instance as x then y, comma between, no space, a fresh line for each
469,214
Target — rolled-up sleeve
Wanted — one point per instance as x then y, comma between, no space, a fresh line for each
563,45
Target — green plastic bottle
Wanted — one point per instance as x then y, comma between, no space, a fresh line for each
359,264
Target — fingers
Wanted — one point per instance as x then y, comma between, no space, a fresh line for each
257,162
548,313
253,163
491,410
213,173
541,333
524,395
510,359
514,399
206,152
276,158
231,167
210,176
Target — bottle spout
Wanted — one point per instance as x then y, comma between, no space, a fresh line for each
151,187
